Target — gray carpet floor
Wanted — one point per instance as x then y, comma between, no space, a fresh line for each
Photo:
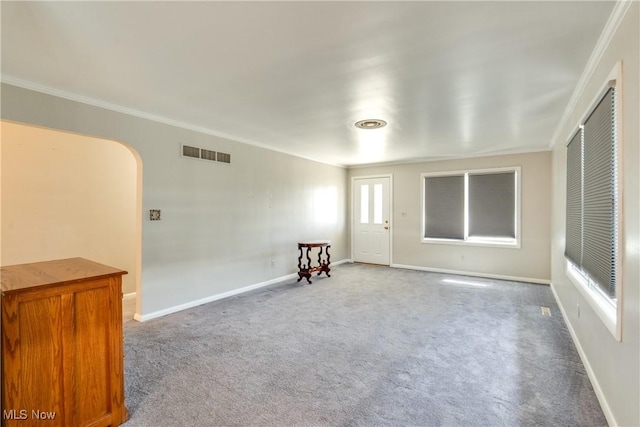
370,346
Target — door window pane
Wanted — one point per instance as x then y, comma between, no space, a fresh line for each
377,204
364,204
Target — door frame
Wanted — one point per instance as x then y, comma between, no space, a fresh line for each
352,210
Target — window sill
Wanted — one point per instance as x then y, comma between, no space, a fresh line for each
600,305
500,243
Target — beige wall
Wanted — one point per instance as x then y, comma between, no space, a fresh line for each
66,195
615,366
530,262
223,227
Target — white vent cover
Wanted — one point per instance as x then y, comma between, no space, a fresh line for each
188,151
224,157
204,154
207,154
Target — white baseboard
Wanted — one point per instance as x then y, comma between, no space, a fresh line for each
606,409
153,315
474,274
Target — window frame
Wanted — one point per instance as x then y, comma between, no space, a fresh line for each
514,243
608,309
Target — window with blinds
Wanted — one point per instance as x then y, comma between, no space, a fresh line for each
476,207
592,198
444,207
573,240
492,205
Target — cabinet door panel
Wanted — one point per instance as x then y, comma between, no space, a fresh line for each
92,322
33,364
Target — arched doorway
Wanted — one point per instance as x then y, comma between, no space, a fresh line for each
68,195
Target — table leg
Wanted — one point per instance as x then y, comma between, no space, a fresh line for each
304,270
327,269
320,264
308,273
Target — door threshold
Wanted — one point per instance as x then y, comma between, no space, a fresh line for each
372,263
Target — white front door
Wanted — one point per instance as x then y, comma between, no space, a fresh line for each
371,221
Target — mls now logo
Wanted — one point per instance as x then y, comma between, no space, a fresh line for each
15,414
23,414
42,415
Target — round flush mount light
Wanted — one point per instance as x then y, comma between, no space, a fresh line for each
370,124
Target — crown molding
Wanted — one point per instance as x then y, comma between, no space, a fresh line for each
617,15
37,87
514,152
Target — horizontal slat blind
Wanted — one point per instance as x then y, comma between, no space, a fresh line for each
599,228
573,243
492,204
444,207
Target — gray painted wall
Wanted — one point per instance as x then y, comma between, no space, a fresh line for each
222,225
615,365
529,262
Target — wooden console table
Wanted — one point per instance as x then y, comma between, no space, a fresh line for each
62,351
306,270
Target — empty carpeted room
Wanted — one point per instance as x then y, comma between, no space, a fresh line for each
320,213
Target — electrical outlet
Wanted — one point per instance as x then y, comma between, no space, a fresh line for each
461,257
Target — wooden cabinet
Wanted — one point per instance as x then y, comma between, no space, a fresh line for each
62,348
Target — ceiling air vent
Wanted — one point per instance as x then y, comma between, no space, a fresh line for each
188,151
207,154
224,157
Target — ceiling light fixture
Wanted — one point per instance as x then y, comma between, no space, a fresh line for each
370,124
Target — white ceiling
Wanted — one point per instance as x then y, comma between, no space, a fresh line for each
452,79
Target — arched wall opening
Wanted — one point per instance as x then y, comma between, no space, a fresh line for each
66,195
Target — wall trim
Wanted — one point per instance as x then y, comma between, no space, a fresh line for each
615,19
474,274
176,308
130,295
37,87
604,404
500,153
